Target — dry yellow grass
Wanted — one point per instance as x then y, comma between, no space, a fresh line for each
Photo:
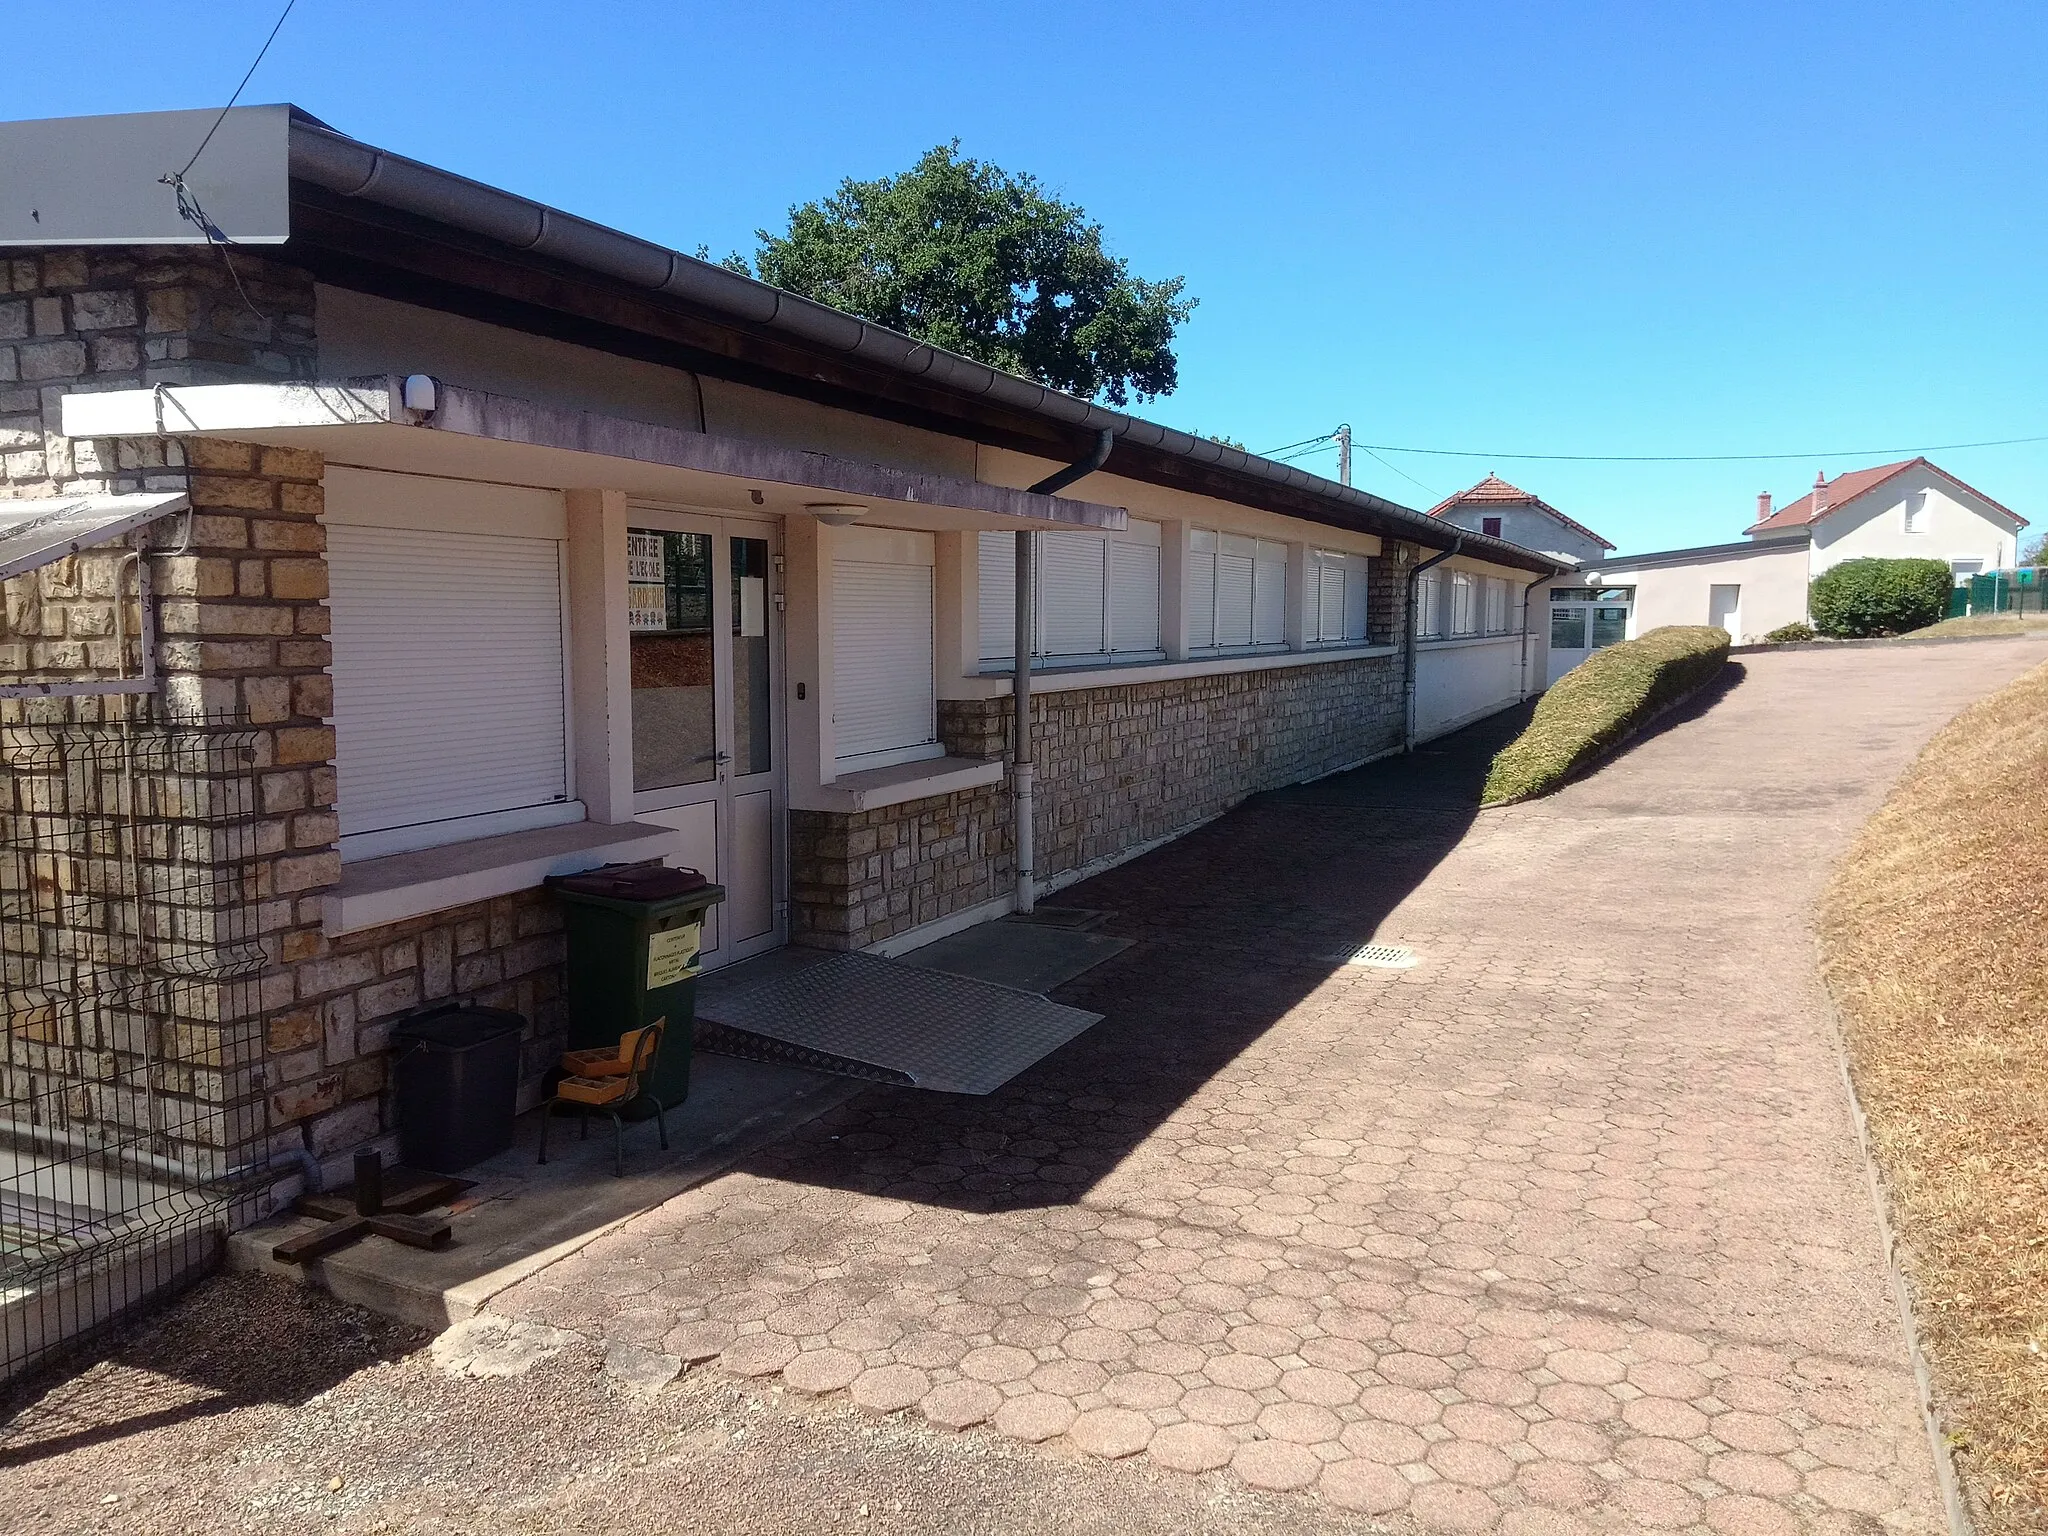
1934,936
1981,624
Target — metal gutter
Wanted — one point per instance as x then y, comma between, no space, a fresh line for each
349,168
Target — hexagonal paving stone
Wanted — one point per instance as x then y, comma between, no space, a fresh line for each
1192,1447
1034,1417
758,1354
960,1404
1276,1465
1111,1432
822,1370
887,1388
1363,1486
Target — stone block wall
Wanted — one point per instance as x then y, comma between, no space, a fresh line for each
329,1042
126,318
1118,767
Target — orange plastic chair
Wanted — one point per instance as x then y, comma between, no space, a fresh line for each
609,1079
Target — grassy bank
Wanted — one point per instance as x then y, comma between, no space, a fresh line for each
1599,702
1933,934
1982,624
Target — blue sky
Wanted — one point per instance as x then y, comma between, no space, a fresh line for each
1645,228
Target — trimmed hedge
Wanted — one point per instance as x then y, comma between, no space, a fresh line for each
1791,634
1879,597
1600,701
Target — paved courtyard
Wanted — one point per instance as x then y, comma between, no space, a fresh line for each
1563,1229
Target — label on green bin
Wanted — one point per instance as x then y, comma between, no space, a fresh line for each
672,955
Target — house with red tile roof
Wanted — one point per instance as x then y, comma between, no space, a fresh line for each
1911,508
1503,511
1759,583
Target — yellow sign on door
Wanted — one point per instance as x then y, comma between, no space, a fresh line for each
672,955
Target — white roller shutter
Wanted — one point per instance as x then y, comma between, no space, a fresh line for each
1354,597
448,693
1234,589
1201,593
1328,571
1269,600
1133,597
1072,586
998,597
882,709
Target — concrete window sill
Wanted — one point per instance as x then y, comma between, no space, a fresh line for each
1459,642
874,788
990,685
401,885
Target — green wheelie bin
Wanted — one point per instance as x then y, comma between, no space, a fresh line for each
634,935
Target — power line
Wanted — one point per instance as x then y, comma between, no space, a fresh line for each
1397,469
177,178
1695,458
189,207
1306,442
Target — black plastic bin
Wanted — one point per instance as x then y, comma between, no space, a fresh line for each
634,932
455,1077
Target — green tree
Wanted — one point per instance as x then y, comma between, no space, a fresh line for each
962,254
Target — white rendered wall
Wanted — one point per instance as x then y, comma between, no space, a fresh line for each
1772,576
1461,680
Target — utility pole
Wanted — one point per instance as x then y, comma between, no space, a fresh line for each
1343,436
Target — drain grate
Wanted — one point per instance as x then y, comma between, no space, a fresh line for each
1381,957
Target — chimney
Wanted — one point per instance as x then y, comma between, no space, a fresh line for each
1820,490
1763,506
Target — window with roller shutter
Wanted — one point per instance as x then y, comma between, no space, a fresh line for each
1097,596
1236,591
1337,588
448,686
883,708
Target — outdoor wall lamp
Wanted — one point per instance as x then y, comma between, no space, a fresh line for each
836,514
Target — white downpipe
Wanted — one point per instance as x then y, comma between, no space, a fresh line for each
1021,769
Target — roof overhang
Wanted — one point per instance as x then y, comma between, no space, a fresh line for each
42,532
470,434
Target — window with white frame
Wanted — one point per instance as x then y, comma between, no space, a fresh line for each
1236,591
1496,605
1336,596
1464,603
1916,512
449,686
1429,606
1096,595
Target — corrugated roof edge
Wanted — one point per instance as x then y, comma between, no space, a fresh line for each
351,168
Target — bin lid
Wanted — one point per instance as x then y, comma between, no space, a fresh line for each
632,882
455,1028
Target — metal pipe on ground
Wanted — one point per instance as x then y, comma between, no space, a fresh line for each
1022,771
1414,636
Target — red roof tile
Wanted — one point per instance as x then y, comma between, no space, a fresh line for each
1496,492
1845,488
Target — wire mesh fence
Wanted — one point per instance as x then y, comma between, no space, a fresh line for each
2018,592
131,1013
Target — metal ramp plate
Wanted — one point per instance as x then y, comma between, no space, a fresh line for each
936,1030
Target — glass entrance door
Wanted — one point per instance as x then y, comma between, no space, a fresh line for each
1581,624
707,738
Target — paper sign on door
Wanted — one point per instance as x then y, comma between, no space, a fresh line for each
672,955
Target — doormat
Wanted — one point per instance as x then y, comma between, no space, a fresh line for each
936,1030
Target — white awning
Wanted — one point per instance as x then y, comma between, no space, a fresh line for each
473,435
38,533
